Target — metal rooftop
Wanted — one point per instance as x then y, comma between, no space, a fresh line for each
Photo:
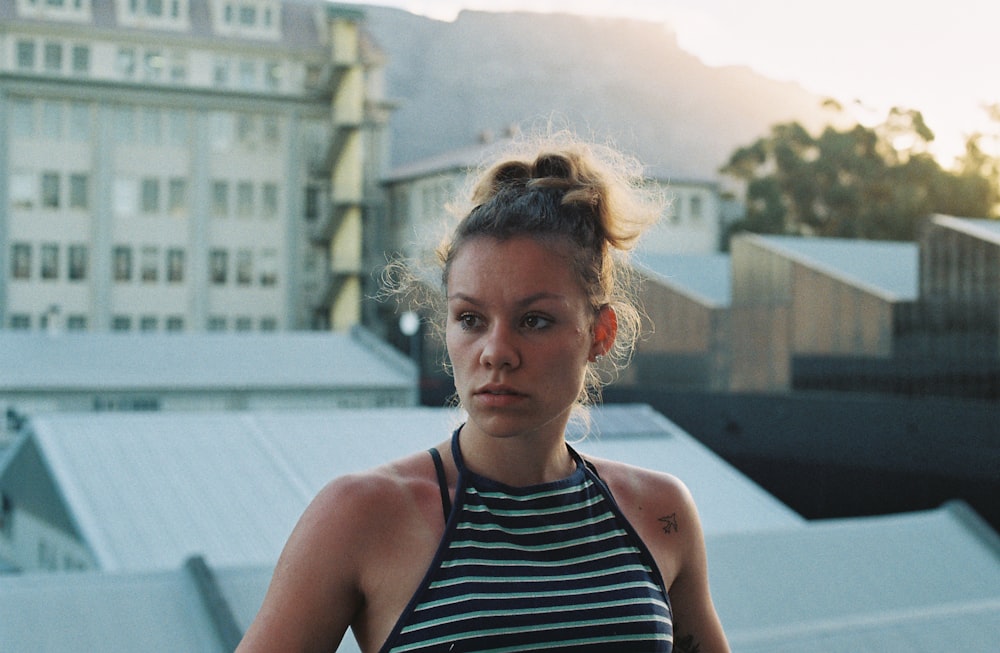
886,268
139,361
913,583
980,228
706,278
143,491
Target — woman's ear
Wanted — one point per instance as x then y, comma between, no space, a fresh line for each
605,331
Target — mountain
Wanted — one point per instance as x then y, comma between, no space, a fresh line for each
606,78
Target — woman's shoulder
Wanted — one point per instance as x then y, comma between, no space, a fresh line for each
636,483
388,488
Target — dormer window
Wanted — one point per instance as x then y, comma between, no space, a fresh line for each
73,10
249,18
161,14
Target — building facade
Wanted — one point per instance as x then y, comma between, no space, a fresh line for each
184,165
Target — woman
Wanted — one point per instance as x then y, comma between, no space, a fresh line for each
504,538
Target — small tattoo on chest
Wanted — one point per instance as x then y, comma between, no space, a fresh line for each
669,523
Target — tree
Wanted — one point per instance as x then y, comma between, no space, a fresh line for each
858,182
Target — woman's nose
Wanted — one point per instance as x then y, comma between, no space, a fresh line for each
499,349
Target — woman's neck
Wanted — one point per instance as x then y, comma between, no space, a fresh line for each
518,461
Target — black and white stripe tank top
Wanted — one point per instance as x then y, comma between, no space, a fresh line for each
547,567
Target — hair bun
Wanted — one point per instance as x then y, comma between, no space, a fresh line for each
553,166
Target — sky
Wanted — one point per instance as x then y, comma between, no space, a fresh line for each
940,58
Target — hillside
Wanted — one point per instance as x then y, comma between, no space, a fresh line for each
621,79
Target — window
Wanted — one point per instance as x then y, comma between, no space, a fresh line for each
244,199
272,132
220,74
26,55
49,256
268,324
20,322
78,262
248,15
123,263
79,191
175,265
81,59
79,122
221,131
268,267
150,195
178,66
125,198
220,198
218,264
121,323
216,323
50,190
244,323
153,65
52,122
175,323
154,7
248,75
150,127
272,75
246,127
20,259
312,203
23,117
149,265
53,57
696,207
177,196
177,128
23,190
126,62
124,125
269,200
76,322
244,267
149,323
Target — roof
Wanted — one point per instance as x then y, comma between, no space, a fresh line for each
186,483
980,228
915,583
919,582
458,161
706,278
890,269
217,361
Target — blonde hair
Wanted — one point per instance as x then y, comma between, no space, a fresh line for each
588,197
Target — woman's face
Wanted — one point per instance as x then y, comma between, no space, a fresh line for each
520,332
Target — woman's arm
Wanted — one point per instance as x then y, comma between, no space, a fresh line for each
314,593
697,628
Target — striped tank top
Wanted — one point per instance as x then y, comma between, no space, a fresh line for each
547,567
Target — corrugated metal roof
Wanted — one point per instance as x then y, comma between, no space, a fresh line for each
886,268
705,277
148,490
916,583
139,361
980,228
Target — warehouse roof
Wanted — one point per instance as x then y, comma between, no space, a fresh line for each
230,486
886,268
915,583
142,361
704,277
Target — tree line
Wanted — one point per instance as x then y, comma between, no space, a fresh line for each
870,182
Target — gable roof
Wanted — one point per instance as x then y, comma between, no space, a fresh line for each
704,277
186,483
142,361
889,269
916,583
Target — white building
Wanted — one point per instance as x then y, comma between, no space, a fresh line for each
184,164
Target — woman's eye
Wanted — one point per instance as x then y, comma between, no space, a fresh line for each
536,322
468,320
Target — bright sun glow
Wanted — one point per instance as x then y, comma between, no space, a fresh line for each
938,58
